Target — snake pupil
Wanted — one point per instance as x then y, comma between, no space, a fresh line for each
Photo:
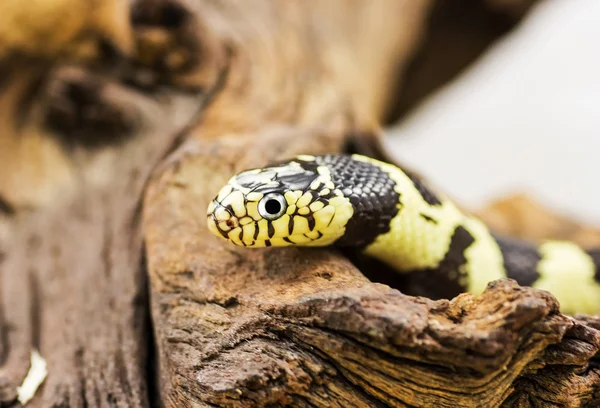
273,207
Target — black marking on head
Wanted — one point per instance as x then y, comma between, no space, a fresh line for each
310,166
371,192
255,236
520,258
428,218
595,255
241,235
219,228
291,224
286,239
270,229
311,222
428,195
268,243
323,198
229,209
288,176
444,281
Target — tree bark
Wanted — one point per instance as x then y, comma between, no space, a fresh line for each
305,328
77,144
120,138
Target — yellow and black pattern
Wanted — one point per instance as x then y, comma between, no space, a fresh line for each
356,201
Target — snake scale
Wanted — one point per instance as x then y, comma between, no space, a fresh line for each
379,209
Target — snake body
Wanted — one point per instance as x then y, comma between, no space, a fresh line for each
391,215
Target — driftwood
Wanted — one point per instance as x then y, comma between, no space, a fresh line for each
123,138
304,327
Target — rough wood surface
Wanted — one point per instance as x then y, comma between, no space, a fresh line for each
78,139
304,327
88,114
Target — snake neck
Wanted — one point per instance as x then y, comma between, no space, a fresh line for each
391,208
400,221
371,192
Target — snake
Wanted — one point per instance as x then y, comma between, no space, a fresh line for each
373,207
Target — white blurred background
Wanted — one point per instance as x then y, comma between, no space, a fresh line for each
524,118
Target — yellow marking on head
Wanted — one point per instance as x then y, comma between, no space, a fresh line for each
568,273
211,207
316,206
290,197
246,221
333,230
323,170
222,214
254,196
300,226
234,235
329,220
263,229
301,240
212,226
323,217
236,200
280,226
258,244
313,234
306,157
224,192
304,200
343,213
337,201
279,242
224,225
249,233
252,209
304,211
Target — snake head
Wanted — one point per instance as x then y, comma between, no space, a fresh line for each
291,203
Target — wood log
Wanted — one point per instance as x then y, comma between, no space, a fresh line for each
78,140
304,327
106,149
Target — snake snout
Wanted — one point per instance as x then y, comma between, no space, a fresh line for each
220,220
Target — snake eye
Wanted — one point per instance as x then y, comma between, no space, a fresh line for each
272,206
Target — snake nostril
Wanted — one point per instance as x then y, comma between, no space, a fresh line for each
230,223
